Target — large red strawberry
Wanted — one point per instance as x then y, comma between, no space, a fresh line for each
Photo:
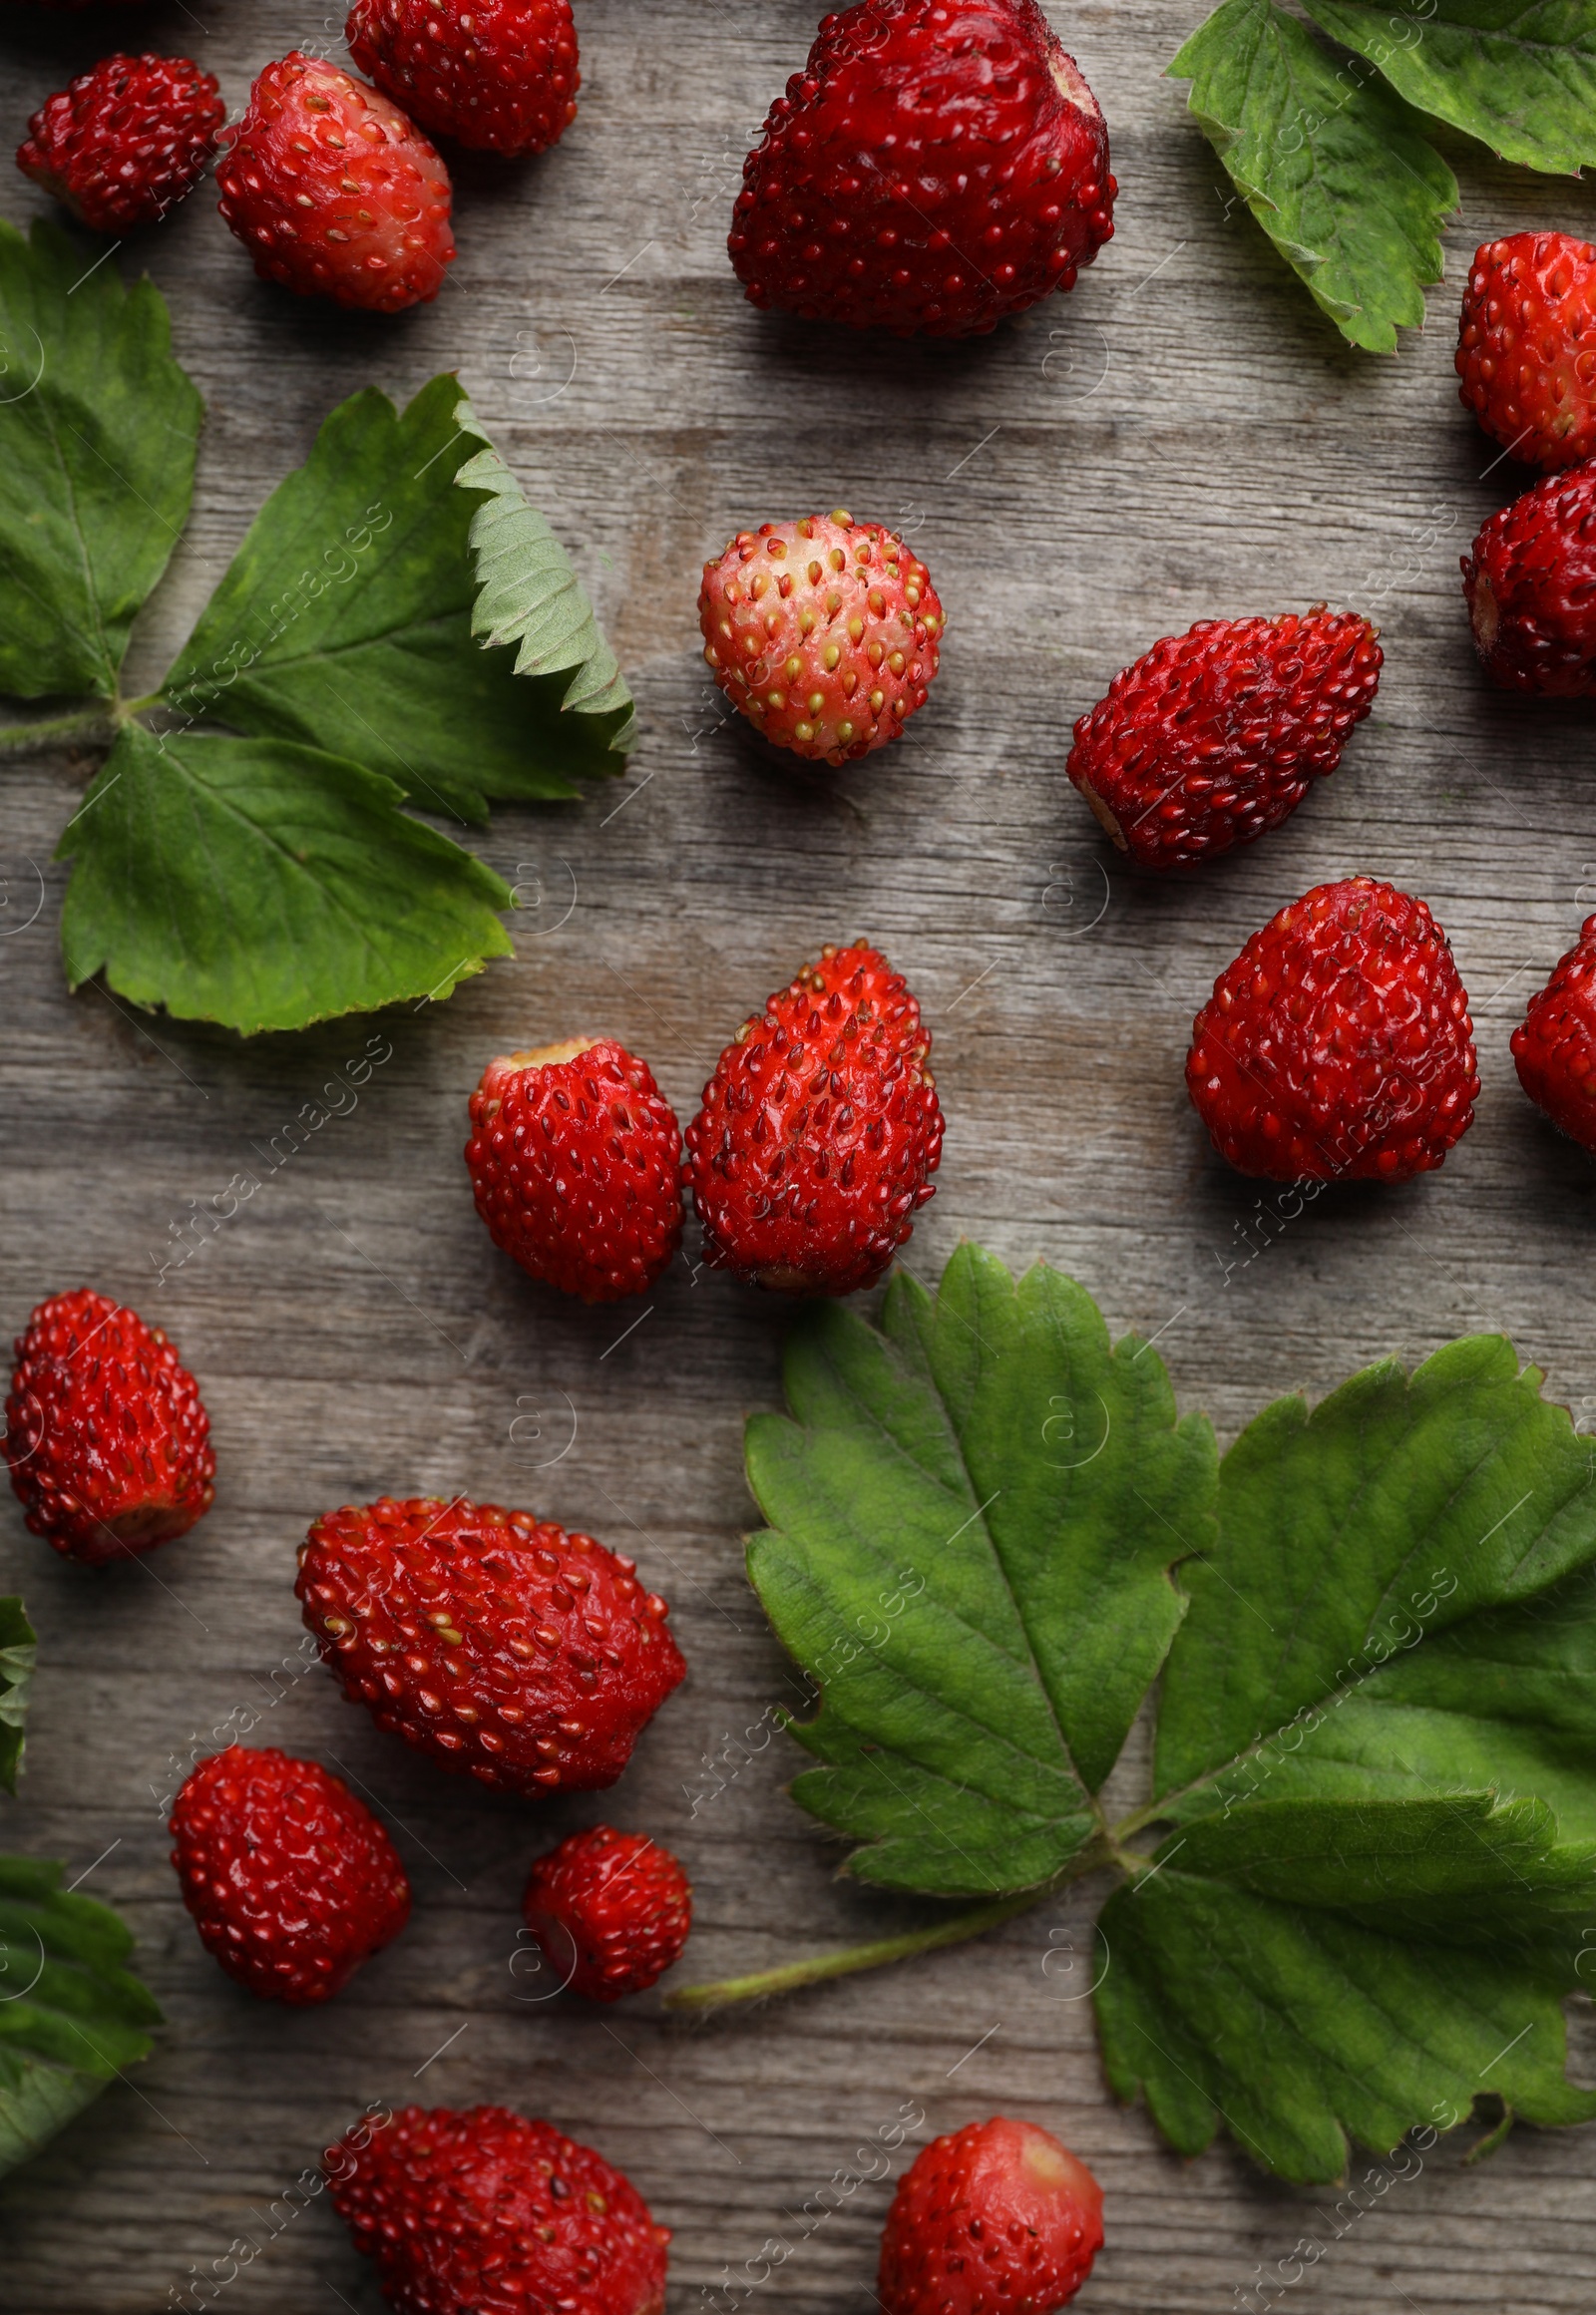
291,1881
1531,588
825,633
126,139
499,75
610,1910
107,1437
819,1131
997,2218
333,191
1526,346
483,2212
936,166
1338,1045
1214,737
492,1639
1554,1046
575,1157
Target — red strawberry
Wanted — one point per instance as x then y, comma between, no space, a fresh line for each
499,75
483,2212
825,633
995,2219
1554,1046
333,191
126,139
1526,346
107,1440
576,1160
492,1639
610,1910
1531,588
1214,737
291,1881
1338,1045
936,166
819,1132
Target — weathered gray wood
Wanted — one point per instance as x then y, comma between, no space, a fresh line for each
1183,437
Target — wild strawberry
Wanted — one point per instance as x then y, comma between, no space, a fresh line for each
126,139
1526,346
291,1881
936,166
610,1910
1214,737
819,1131
1554,1046
334,192
1338,1045
483,2212
492,1639
825,633
107,1437
575,1157
499,75
1531,588
995,2219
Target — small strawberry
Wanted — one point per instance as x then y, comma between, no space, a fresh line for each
483,2212
492,1639
499,75
819,1131
995,2219
825,633
107,1437
291,1881
1531,588
334,192
610,1910
1338,1045
1214,737
1526,346
126,141
575,1157
1554,1046
936,166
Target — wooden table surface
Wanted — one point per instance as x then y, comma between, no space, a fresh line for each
1183,437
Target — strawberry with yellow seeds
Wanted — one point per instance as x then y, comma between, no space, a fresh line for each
819,1132
826,634
494,1640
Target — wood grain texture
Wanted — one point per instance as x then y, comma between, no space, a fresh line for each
1183,437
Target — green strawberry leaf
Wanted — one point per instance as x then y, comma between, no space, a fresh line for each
1375,1741
72,2016
1520,75
529,596
19,1652
1334,171
265,885
1374,1768
973,1514
346,621
98,433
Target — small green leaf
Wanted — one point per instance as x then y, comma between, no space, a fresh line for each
972,1518
266,885
72,2016
1520,75
97,432
530,595
1332,168
1300,2021
1377,1745
345,622
19,1652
